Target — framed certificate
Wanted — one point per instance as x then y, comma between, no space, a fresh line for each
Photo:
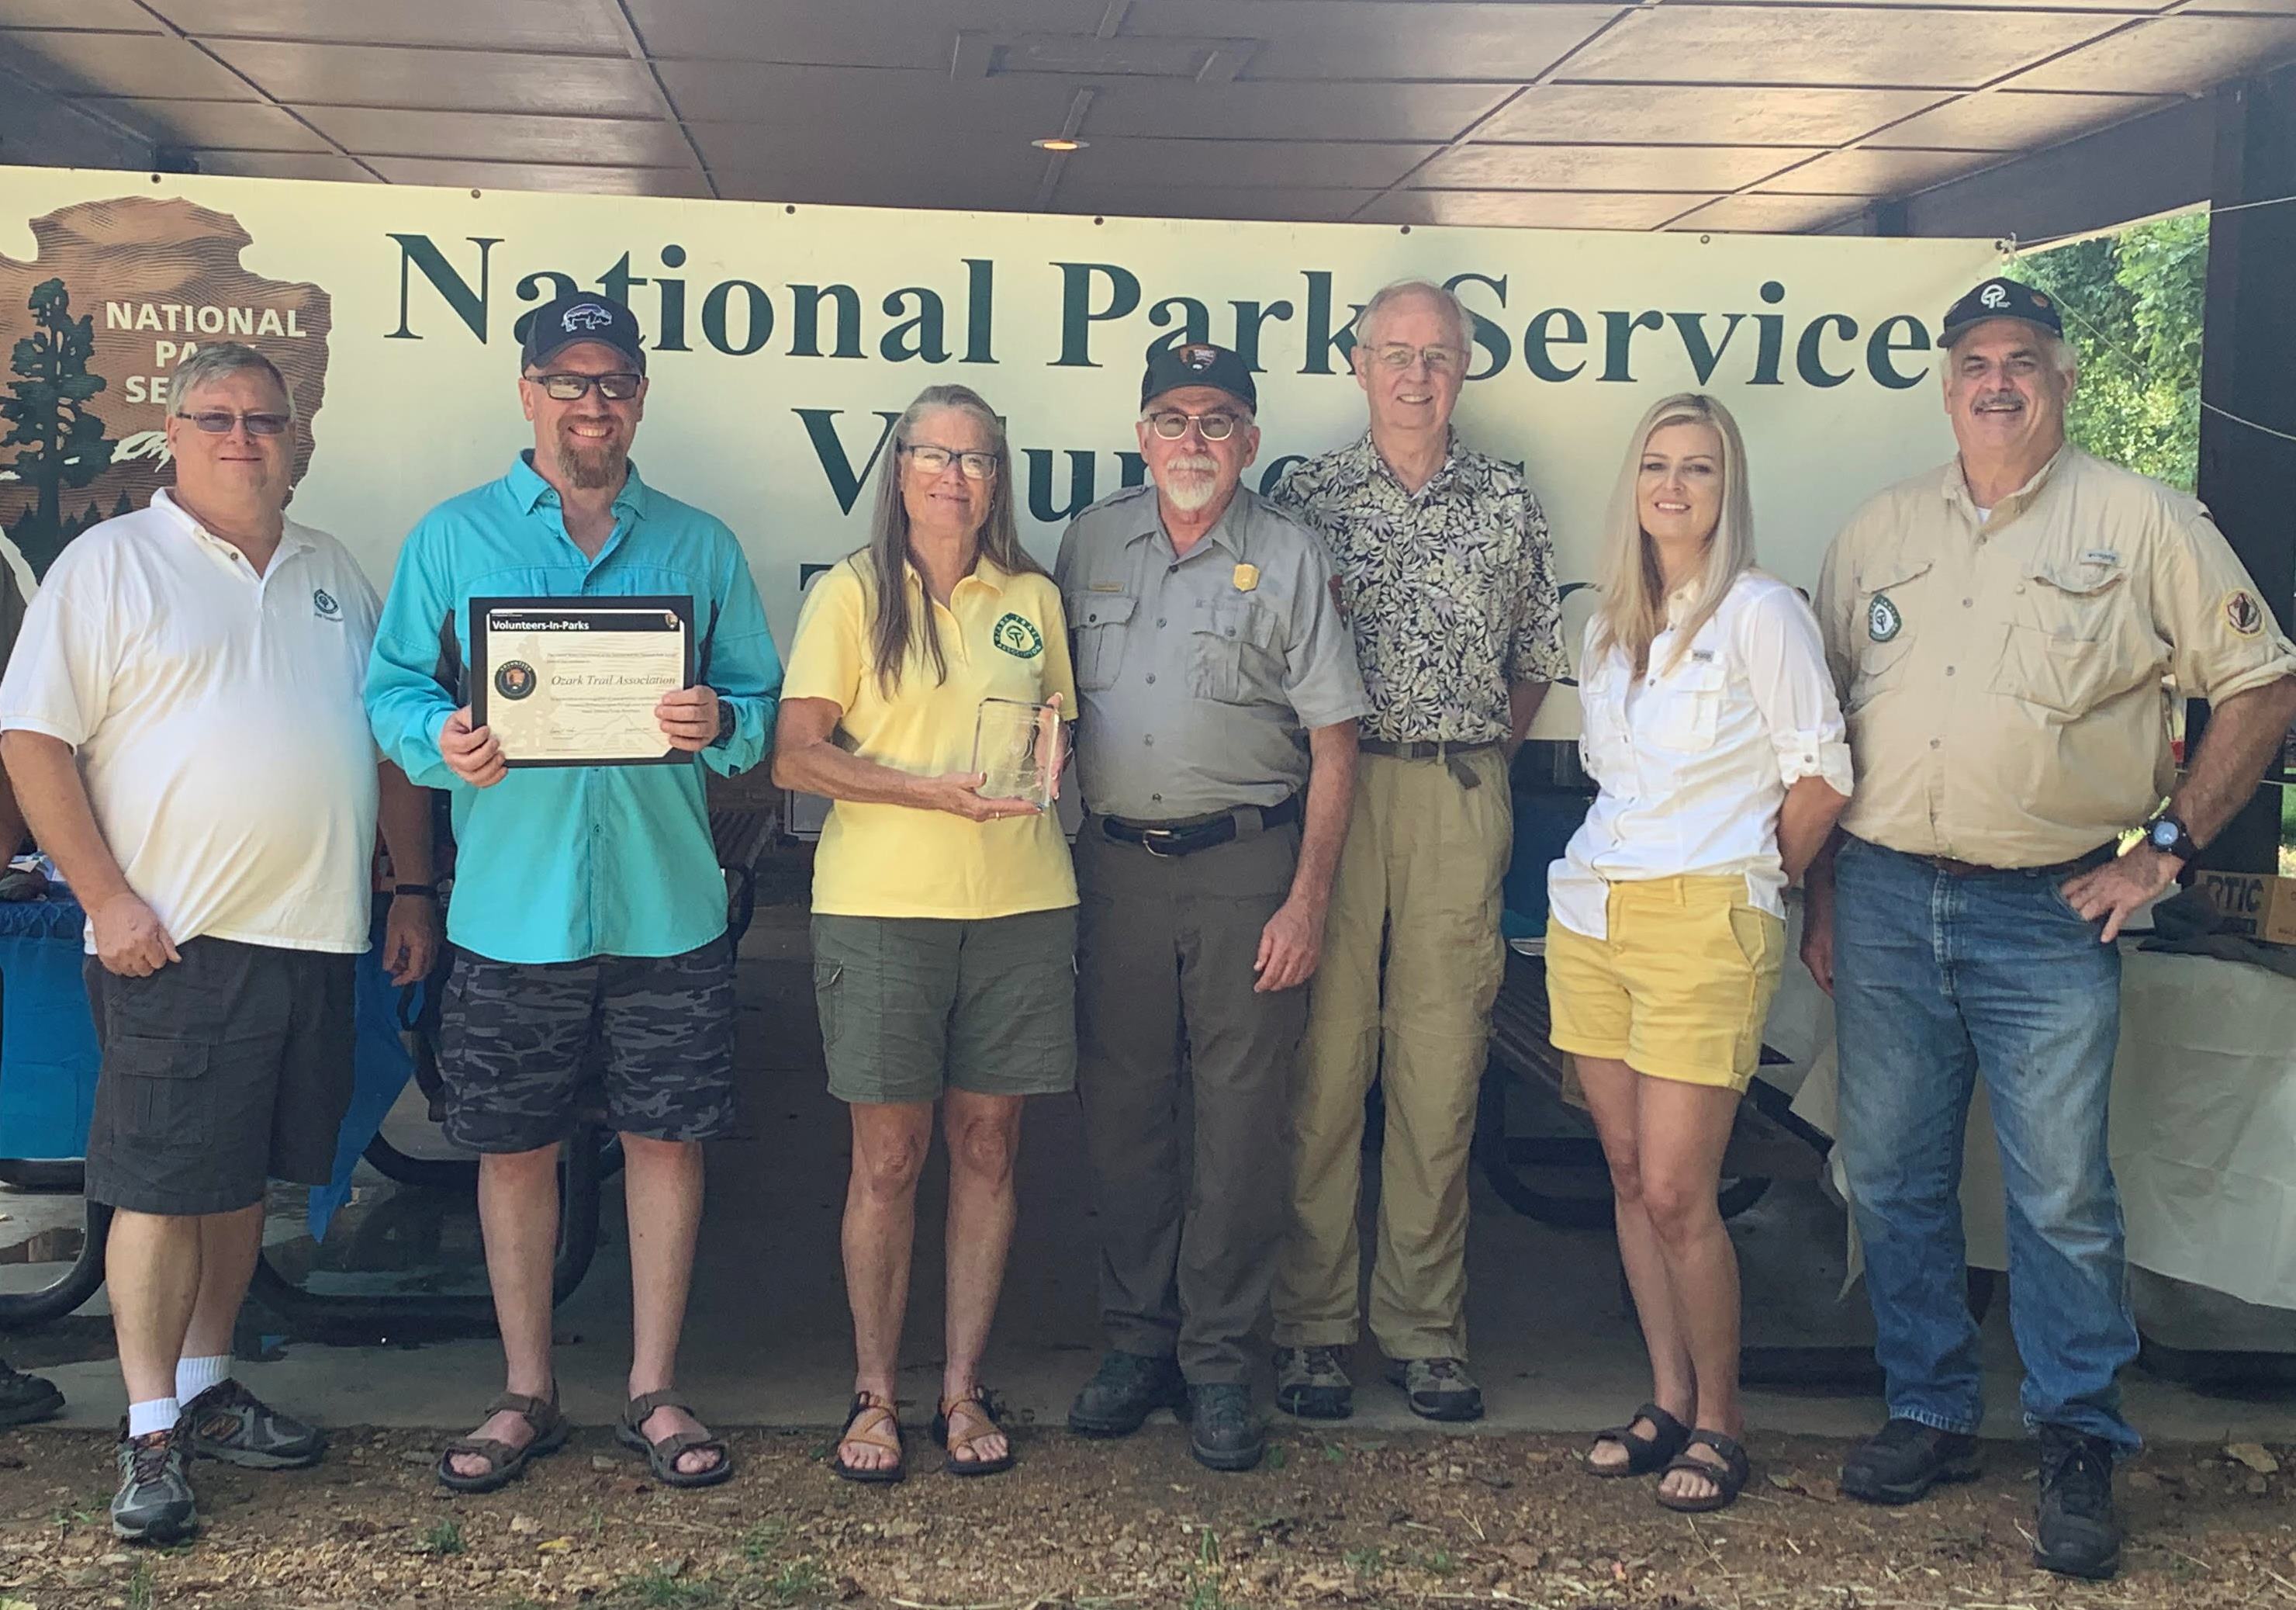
574,681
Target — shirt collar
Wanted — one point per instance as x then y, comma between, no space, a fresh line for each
291,536
1956,486
984,573
1370,461
1227,531
530,489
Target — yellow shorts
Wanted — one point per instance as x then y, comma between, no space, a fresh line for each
1681,987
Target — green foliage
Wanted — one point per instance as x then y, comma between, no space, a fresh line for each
445,1538
2132,304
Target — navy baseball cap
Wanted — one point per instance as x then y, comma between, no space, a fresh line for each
1198,363
584,316
2001,299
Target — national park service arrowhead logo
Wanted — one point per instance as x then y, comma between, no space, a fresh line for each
117,294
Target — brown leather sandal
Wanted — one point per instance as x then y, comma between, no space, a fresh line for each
505,1463
980,1409
861,1427
662,1457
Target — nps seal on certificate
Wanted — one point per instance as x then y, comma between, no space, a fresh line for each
574,681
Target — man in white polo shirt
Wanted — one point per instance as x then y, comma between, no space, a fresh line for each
184,726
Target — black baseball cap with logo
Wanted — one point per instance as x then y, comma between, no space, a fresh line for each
1198,363
582,315
2000,299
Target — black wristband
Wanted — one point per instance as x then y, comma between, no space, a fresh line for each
421,891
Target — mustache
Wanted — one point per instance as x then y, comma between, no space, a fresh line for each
1194,463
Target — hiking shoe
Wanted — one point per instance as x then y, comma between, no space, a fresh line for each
2079,1533
154,1502
1903,1459
1438,1389
1223,1433
1126,1390
24,1398
227,1422
1310,1383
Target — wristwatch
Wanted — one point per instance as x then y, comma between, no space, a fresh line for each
421,891
2170,836
725,725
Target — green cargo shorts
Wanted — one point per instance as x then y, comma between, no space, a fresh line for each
910,1005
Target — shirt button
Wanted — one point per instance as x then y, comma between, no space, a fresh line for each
1159,620
1150,740
1949,671
1933,743
1966,603
2020,586
1151,679
1157,798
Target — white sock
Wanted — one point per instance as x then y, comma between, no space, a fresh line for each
159,1414
195,1376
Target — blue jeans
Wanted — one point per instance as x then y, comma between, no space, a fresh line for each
1940,979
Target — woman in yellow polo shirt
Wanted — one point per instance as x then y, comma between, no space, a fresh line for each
944,925
1711,722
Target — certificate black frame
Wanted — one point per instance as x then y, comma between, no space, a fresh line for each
481,682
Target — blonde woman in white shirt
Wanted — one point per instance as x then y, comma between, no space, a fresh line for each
1711,725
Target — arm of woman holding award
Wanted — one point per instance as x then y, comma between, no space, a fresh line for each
808,758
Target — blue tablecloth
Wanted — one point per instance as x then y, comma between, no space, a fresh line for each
48,1057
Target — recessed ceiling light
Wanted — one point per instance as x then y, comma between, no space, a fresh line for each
1059,143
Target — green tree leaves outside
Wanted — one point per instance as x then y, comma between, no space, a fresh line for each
2132,303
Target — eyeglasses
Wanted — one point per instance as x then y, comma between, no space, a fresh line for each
1171,425
1402,355
933,460
563,387
218,421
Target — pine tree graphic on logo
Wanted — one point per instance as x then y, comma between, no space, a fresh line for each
60,441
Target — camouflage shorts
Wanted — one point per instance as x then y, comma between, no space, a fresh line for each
520,1044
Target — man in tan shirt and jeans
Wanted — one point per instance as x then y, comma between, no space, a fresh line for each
2001,628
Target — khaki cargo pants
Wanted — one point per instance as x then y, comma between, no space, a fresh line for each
1412,962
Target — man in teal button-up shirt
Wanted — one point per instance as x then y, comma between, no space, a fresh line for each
588,904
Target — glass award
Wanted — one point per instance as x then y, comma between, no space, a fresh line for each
1016,748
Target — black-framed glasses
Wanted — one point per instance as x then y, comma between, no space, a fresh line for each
218,421
563,386
1402,355
933,459
1171,425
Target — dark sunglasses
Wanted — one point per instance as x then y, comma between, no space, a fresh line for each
563,387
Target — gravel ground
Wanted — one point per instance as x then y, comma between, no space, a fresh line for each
1344,1519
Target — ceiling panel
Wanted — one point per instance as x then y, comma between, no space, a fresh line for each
2174,55
883,33
1154,162
803,159
123,14
559,25
1772,214
754,91
1691,115
1005,182
1602,167
1527,208
540,175
1255,110
1383,39
282,165
1826,44
517,137
153,65
2007,119
1275,203
1876,172
231,125
359,74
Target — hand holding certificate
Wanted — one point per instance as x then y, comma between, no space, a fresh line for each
578,681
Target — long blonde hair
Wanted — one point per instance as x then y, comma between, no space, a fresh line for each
1633,610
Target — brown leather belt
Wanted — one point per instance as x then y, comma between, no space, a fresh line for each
1971,869
1452,755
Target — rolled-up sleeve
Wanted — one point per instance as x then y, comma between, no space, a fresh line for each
745,669
1784,656
417,662
2224,638
1320,675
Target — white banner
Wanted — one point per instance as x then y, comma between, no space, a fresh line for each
785,340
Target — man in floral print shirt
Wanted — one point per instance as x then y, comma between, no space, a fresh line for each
1445,574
